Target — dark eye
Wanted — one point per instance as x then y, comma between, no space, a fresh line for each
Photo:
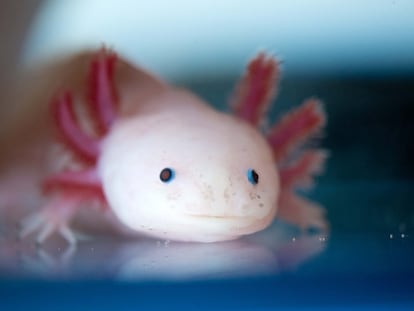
252,176
167,174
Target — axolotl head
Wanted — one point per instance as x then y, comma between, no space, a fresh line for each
183,171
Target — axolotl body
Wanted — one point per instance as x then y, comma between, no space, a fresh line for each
168,165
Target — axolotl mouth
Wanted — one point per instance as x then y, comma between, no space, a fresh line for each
215,217
238,225
239,219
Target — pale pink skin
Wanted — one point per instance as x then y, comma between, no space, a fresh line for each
210,199
140,125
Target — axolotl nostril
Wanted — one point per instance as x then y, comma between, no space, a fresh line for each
168,165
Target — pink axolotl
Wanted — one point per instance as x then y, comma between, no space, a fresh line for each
168,165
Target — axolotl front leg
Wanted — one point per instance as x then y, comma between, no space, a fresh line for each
70,190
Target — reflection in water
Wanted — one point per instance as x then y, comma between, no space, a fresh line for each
269,252
190,260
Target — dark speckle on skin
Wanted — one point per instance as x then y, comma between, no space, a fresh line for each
261,204
174,195
253,196
208,192
226,194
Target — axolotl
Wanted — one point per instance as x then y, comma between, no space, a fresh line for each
168,165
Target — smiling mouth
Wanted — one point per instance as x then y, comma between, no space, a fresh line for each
229,220
216,217
233,220
236,225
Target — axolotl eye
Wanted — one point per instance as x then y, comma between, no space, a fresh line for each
252,176
167,174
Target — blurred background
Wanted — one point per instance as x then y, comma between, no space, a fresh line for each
357,56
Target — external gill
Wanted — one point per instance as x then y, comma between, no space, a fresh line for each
254,93
72,188
102,104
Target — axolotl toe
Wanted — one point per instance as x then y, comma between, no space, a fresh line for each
168,165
